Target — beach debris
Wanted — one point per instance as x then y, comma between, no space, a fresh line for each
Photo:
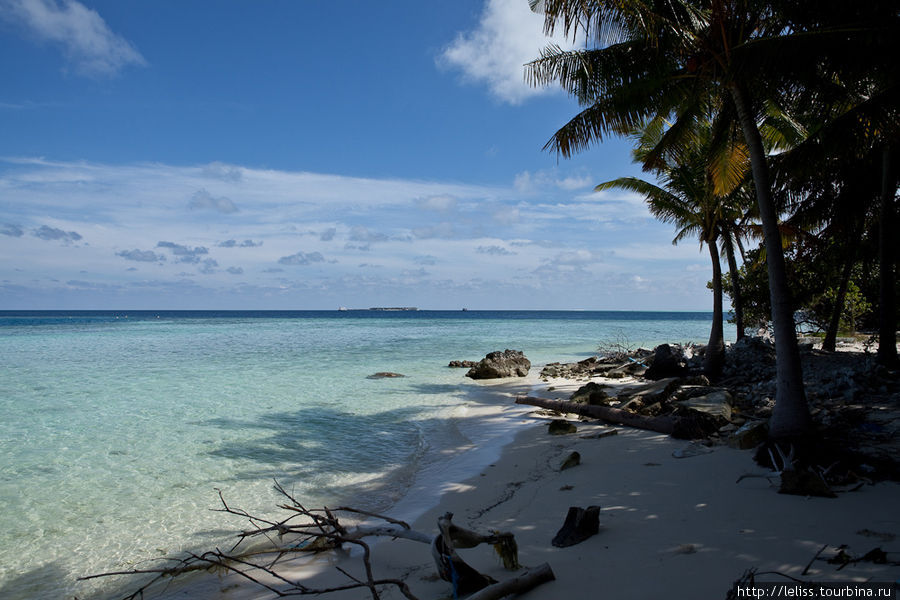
750,435
573,460
384,375
592,393
320,530
528,580
450,566
787,463
561,427
881,535
465,579
684,407
692,449
509,363
805,482
660,424
614,365
670,360
716,403
609,431
843,557
580,524
796,479
685,549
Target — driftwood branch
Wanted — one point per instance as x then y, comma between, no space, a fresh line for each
307,530
662,424
528,580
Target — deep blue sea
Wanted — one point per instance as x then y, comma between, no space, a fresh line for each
118,427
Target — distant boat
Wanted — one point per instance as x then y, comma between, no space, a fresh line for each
394,308
343,309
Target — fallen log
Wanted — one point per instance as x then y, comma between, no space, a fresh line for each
528,580
678,427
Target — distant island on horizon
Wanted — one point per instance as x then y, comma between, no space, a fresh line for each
383,308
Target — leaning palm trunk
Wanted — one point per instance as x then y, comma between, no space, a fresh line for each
790,417
714,357
887,330
829,344
737,302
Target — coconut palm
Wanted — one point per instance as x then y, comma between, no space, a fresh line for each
676,57
847,169
693,196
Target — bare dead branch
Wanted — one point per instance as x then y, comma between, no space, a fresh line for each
306,530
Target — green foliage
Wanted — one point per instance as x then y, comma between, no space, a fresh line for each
754,283
814,279
855,307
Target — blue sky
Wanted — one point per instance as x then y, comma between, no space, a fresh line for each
308,155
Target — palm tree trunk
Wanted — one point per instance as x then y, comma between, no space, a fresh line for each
829,344
790,416
714,357
737,302
887,327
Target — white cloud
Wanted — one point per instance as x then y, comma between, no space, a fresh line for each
301,259
508,35
11,230
141,255
88,42
527,182
292,233
53,234
184,253
578,257
441,230
495,250
366,235
201,199
439,203
508,215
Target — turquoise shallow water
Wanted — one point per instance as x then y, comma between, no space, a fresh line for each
117,428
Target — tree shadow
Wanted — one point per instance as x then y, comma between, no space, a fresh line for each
373,454
50,580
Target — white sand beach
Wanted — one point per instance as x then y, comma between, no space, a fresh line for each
669,527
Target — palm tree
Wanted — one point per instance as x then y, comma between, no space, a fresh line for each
854,121
691,197
677,57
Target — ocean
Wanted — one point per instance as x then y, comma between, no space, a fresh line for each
117,428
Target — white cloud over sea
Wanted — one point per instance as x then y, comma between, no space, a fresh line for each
150,235
508,35
87,42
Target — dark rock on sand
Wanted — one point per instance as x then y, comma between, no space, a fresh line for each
561,427
591,393
573,460
669,360
509,363
617,366
750,435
